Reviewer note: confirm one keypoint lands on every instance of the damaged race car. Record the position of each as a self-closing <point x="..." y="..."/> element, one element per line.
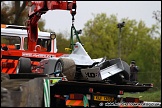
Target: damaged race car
<point x="79" y="66"/>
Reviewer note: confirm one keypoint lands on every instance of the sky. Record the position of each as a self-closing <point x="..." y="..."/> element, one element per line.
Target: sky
<point x="61" y="20"/>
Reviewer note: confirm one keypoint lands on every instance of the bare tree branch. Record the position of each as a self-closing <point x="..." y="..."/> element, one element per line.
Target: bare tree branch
<point x="157" y="15"/>
<point x="18" y="10"/>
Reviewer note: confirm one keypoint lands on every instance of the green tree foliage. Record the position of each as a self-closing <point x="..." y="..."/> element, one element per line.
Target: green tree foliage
<point x="41" y="24"/>
<point x="62" y="43"/>
<point x="100" y="36"/>
<point x="138" y="42"/>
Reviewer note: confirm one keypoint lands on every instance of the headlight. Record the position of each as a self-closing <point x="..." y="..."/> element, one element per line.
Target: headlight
<point x="53" y="35"/>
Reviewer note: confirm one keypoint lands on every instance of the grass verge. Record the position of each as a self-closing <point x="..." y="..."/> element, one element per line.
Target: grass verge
<point x="154" y="96"/>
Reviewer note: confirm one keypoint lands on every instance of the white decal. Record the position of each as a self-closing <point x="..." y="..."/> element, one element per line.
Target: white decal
<point x="37" y="55"/>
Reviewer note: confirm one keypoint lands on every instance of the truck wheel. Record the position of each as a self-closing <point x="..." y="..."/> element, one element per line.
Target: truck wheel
<point x="67" y="68"/>
<point x="24" y="65"/>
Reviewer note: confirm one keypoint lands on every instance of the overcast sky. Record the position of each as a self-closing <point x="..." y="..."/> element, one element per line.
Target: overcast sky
<point x="61" y="20"/>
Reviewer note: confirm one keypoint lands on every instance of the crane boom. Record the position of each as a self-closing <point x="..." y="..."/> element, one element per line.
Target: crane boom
<point x="36" y="9"/>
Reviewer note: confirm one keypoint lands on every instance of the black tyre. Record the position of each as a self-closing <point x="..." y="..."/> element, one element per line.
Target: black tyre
<point x="67" y="68"/>
<point x="24" y="65"/>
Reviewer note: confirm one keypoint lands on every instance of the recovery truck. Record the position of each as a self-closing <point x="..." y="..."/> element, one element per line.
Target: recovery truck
<point x="14" y="46"/>
<point x="26" y="44"/>
<point x="69" y="80"/>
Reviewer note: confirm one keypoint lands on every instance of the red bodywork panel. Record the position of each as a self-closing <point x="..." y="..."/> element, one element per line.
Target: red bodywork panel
<point x="9" y="60"/>
<point x="30" y="54"/>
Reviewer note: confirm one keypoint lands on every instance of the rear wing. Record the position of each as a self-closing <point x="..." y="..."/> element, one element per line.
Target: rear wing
<point x="105" y="70"/>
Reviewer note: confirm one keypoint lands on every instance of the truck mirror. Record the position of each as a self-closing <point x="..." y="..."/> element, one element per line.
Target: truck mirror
<point x="52" y="35"/>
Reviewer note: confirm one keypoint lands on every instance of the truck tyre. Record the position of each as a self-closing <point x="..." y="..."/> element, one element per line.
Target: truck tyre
<point x="24" y="65"/>
<point x="122" y="77"/>
<point x="67" y="68"/>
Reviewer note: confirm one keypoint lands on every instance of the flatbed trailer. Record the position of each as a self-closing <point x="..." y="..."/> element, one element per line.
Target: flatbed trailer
<point x="98" y="87"/>
<point x="39" y="90"/>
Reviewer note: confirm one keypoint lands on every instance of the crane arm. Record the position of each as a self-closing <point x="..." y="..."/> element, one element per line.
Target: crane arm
<point x="36" y="9"/>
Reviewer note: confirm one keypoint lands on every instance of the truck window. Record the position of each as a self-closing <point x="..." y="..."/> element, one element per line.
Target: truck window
<point x="25" y="43"/>
<point x="12" y="42"/>
<point x="44" y="43"/>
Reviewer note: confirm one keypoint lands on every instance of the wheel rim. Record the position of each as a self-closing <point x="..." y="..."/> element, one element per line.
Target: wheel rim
<point x="58" y="68"/>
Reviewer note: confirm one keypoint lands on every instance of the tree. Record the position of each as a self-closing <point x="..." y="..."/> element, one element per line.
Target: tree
<point x="157" y="15"/>
<point x="100" y="36"/>
<point x="62" y="43"/>
<point x="16" y="12"/>
<point x="138" y="42"/>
